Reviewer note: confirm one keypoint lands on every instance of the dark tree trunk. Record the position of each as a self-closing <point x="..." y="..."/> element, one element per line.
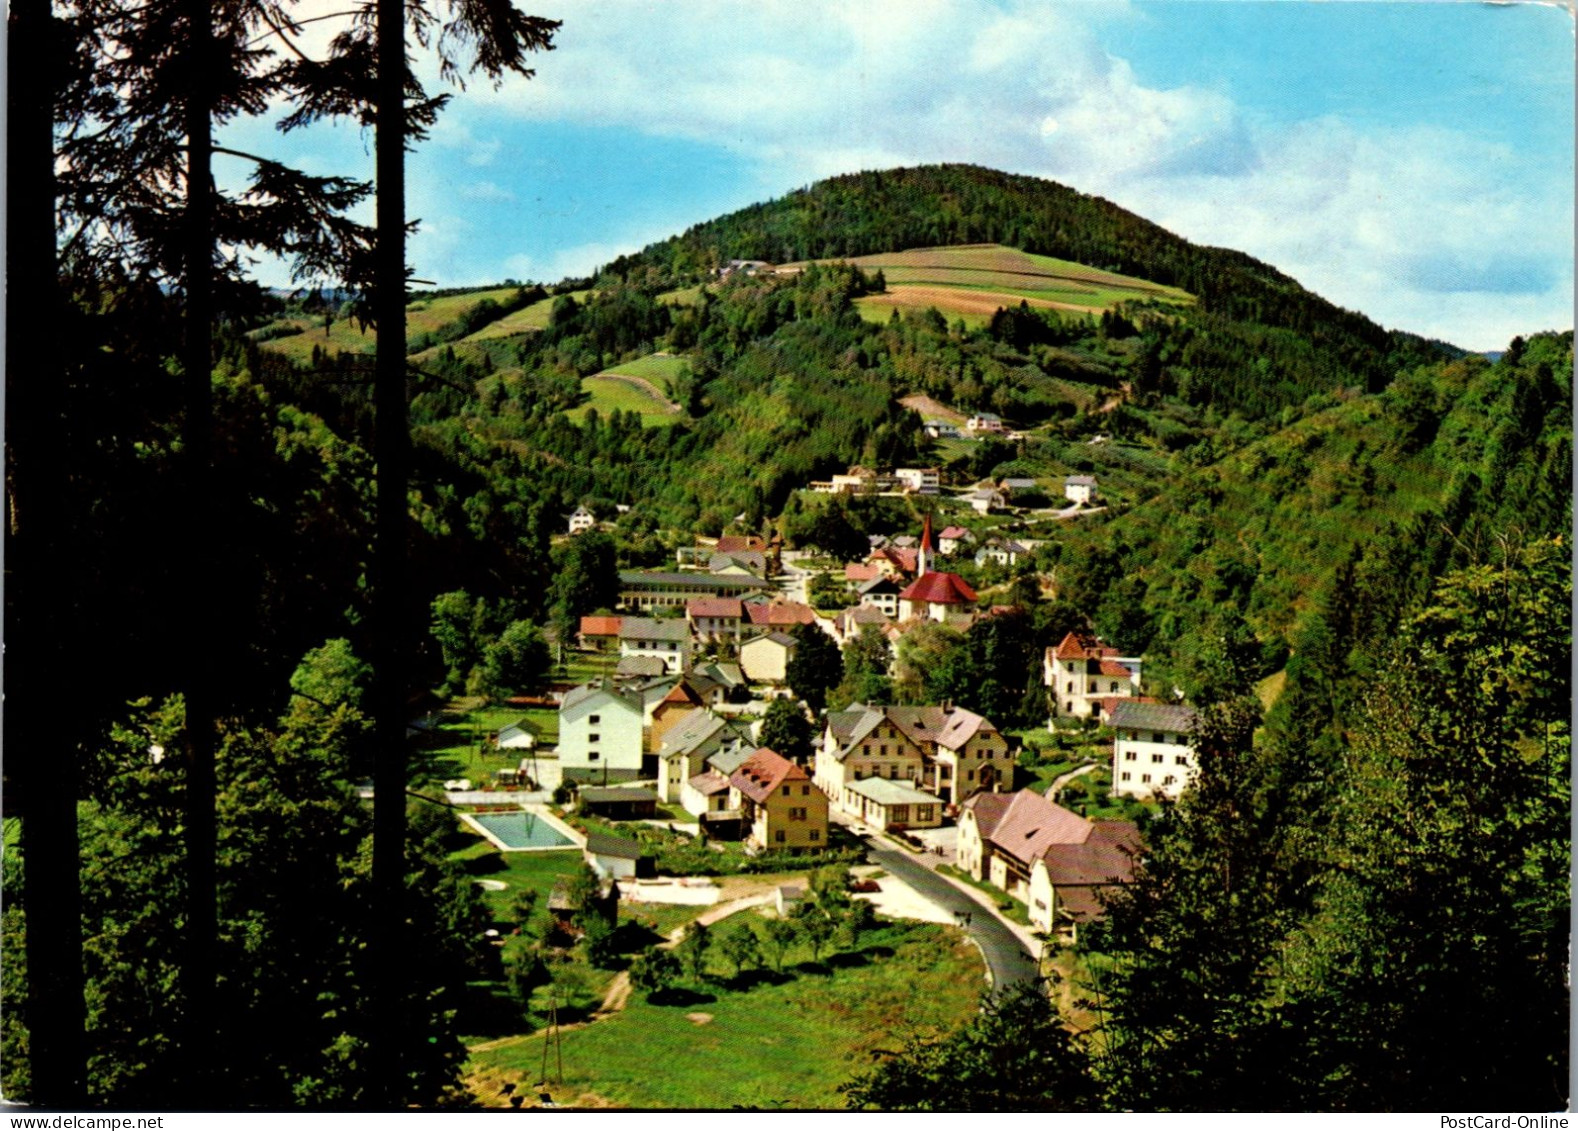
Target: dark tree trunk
<point x="389" y="562"/>
<point x="203" y="573"/>
<point x="42" y="769"/>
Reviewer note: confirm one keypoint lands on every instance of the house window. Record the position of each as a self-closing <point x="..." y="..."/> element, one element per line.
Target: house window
<point x="1169" y="780"/>
<point x="797" y="814"/>
<point x="1124" y="776"/>
<point x="969" y="775"/>
<point x="1181" y="760"/>
<point x="1092" y="687"/>
<point x="1069" y="666"/>
<point x="1158" y="738"/>
<point x="816" y="834"/>
<point x="1069" y="707"/>
<point x="780" y="836"/>
<point x="1129" y="756"/>
<point x="592" y="755"/>
<point x="901" y="814"/>
<point x="1069" y="687"/>
<point x="1114" y="687"/>
<point x="1145" y="777"/>
<point x="883" y="750"/>
<point x="805" y="791"/>
<point x="594" y="719"/>
<point x="1156" y="758"/>
<point x="593" y="737"/>
<point x="923" y="812"/>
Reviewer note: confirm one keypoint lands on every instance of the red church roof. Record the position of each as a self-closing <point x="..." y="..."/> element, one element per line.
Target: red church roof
<point x="939" y="589"/>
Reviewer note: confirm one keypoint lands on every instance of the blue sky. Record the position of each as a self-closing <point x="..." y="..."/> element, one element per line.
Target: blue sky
<point x="1410" y="160"/>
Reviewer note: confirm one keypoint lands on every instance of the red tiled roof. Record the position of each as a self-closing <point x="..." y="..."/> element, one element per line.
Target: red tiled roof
<point x="600" y="626"/>
<point x="1083" y="646"/>
<point x="1105" y="857"/>
<point x="860" y="571"/>
<point x="781" y="613"/>
<point x="953" y="532"/>
<point x="1033" y="824"/>
<point x="683" y="693"/>
<point x="713" y="607"/>
<point x="1112" y="667"/>
<point x="939" y="589"/>
<point x="736" y="543"/>
<point x="763" y="772"/>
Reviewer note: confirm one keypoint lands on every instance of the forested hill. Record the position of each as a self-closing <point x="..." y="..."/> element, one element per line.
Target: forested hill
<point x="936" y="205"/>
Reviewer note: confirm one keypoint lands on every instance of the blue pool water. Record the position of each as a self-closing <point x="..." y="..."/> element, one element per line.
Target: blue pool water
<point x="522" y="830"/>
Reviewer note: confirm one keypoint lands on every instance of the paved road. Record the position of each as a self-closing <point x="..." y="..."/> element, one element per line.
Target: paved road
<point x="1005" y="955"/>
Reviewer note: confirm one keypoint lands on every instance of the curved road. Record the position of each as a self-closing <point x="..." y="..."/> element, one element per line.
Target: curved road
<point x="1005" y="955"/>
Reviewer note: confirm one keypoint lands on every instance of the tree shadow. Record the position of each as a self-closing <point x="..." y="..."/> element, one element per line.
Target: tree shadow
<point x="848" y="959"/>
<point x="483" y="865"/>
<point x="680" y="995"/>
<point x="632" y="937"/>
<point x="489" y="1011"/>
<point x="747" y="980"/>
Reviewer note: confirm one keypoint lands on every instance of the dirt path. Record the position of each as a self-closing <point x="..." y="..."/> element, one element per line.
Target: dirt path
<point x="618" y="994"/>
<point x="931" y="409"/>
<point x="1063" y="779"/>
<point x="645" y="385"/>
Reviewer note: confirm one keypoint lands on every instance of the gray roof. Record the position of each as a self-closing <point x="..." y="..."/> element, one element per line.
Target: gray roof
<point x="1080" y="481"/>
<point x="727" y="761"/>
<point x="599" y="793"/>
<point x="651" y="628"/>
<point x="640" y="666"/>
<point x="885" y="791"/>
<point x="1134" y="715"/>
<point x="586" y="691"/>
<point x="713" y="581"/>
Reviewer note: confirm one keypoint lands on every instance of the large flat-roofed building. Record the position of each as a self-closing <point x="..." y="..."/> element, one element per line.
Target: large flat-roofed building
<point x="656" y="589"/>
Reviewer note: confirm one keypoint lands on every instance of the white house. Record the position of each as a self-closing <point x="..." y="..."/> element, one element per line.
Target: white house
<point x="520" y="735"/>
<point x="582" y="519"/>
<point x="919" y="480"/>
<point x="1080" y="489"/>
<point x="1081" y="672"/>
<point x="940" y="429"/>
<point x="882" y="594"/>
<point x="985" y="422"/>
<point x="932" y="596"/>
<point x="952" y="539"/>
<point x="1151" y="751"/>
<point x="666" y="640"/>
<point x="713" y="619"/>
<point x="1001" y="551"/>
<point x="600" y="734"/>
<point x="766" y="659"/>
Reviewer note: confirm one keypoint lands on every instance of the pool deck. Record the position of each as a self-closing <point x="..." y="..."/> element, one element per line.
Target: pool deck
<point x="541" y="813"/>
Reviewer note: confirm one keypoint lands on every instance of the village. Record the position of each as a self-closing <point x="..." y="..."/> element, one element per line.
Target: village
<point x="686" y="753"/>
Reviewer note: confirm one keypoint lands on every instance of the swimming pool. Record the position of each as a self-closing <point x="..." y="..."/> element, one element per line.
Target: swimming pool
<point x="519" y="831"/>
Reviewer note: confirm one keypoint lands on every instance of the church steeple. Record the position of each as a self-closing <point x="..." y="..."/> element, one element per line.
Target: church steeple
<point x="922" y="558"/>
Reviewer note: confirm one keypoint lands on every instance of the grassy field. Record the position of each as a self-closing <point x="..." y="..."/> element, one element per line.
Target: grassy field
<point x="660" y="369"/>
<point x="524" y="320"/>
<point x="971" y="282"/>
<point x="686" y="296"/>
<point x="347" y="336"/>
<point x="608" y="392"/>
<point x="759" y="1041"/>
<point x="460" y="747"/>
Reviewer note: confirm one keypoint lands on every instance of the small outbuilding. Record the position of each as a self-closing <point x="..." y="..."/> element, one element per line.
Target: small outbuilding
<point x="616" y="804"/>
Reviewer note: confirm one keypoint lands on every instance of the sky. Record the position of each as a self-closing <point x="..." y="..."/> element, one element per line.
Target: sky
<point x="1413" y="161"/>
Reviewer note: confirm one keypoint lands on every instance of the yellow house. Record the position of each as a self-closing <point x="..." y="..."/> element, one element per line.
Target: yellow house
<point x="783" y="809"/>
<point x="947" y="751"/>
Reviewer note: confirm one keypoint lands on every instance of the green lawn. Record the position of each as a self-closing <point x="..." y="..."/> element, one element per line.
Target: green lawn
<point x="608" y="393"/>
<point x="760" y="1044"/>
<point x="1007" y="904"/>
<point x="528" y="318"/>
<point x="660" y="370"/>
<point x="460" y="748"/>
